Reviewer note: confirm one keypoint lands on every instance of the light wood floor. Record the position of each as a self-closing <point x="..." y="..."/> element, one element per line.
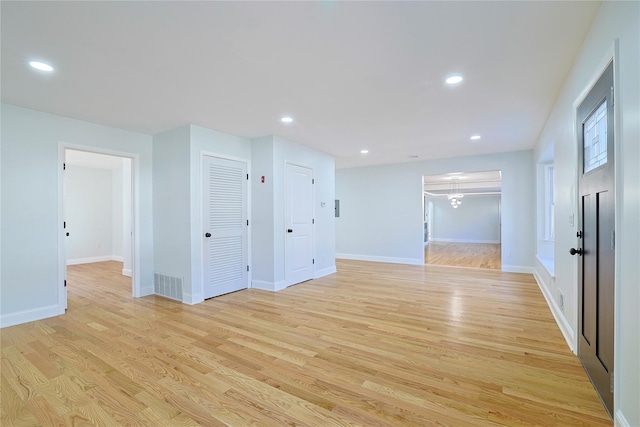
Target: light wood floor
<point x="454" y="254"/>
<point x="373" y="345"/>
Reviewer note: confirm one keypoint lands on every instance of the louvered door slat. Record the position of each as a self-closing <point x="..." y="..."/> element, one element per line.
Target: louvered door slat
<point x="225" y="214"/>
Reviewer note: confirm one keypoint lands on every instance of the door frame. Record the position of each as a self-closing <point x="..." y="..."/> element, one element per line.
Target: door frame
<point x="135" y="217"/>
<point x="612" y="55"/>
<point x="313" y="214"/>
<point x="197" y="227"/>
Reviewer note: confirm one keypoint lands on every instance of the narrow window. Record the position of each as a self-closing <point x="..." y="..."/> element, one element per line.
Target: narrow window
<point x="549" y="203"/>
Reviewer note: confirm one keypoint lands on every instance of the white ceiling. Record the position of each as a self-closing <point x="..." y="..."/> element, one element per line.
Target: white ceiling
<point x="353" y="75"/>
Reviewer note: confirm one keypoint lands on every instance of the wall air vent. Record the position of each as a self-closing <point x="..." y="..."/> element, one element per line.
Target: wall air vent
<point x="167" y="286"/>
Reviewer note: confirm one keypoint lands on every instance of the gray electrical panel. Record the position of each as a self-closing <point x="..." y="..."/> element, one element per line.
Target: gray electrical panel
<point x="337" y="208"/>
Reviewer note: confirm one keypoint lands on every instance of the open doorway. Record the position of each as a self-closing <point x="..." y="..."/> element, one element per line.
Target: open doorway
<point x="97" y="206"/>
<point x="462" y="219"/>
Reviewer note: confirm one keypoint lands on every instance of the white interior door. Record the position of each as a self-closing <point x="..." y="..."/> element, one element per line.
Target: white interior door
<point x="225" y="226"/>
<point x="299" y="224"/>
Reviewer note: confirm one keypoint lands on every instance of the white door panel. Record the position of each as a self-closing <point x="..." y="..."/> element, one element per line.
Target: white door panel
<point x="225" y="226"/>
<point x="299" y="223"/>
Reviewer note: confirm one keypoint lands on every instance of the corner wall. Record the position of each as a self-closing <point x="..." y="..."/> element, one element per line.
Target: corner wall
<point x="270" y="155"/>
<point x="171" y="211"/>
<point x="616" y="22"/>
<point x="31" y="225"/>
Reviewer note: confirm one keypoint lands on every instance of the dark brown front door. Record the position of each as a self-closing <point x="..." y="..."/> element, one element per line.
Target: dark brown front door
<point x="596" y="236"/>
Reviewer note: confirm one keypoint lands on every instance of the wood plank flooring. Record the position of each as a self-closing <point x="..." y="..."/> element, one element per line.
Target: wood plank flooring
<point x="373" y="345"/>
<point x="456" y="254"/>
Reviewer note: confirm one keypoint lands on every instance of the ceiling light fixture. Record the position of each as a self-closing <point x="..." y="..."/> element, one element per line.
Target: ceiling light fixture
<point x="454" y="79"/>
<point x="41" y="66"/>
<point x="286" y="119"/>
<point x="455" y="195"/>
<point x="364" y="151"/>
<point x="475" y="137"/>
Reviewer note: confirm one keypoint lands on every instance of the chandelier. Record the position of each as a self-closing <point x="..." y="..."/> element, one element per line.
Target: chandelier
<point x="455" y="196"/>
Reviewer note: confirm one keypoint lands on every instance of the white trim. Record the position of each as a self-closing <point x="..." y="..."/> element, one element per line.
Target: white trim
<point x="136" y="289"/>
<point x="325" y="272"/>
<point x="26" y="316"/>
<point x="517" y="269"/>
<point x="269" y="286"/>
<point x="561" y="320"/>
<point x="148" y="290"/>
<point x="191" y="299"/>
<point x="127" y="272"/>
<point x="372" y="258"/>
<point x="620" y="420"/>
<point x="437" y="239"/>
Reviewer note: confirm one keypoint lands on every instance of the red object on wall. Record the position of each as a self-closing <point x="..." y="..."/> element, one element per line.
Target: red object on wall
<point x="262" y="179"/>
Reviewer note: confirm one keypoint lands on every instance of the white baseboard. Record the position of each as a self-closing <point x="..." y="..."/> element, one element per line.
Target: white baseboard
<point x="620" y="420"/>
<point x="558" y="315"/>
<point x="127" y="272"/>
<point x="26" y="316"/>
<point x="192" y="299"/>
<point x="372" y="258"/>
<point x="268" y="286"/>
<point x="325" y="272"/>
<point x="147" y="291"/>
<point x="517" y="269"/>
<point x="437" y="239"/>
<point x="89" y="260"/>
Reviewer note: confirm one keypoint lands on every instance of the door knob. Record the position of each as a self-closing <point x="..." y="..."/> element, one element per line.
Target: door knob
<point x="573" y="251"/>
<point x="207" y="234"/>
<point x="289" y="230"/>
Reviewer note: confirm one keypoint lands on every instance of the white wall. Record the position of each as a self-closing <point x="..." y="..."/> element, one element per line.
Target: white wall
<point x="94" y="213"/>
<point x="381" y="208"/>
<point x="262" y="212"/>
<point x="615" y="21"/>
<point x="89" y="214"/>
<point x="477" y="220"/>
<point x="171" y="205"/>
<point x="270" y="156"/>
<point x="32" y="265"/>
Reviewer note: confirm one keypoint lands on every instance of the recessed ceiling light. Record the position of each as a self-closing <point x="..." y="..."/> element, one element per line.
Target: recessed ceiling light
<point x="413" y="156"/>
<point x="475" y="137"/>
<point x="364" y="151"/>
<point x="286" y="119"/>
<point x="41" y="66"/>
<point x="454" y="79"/>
